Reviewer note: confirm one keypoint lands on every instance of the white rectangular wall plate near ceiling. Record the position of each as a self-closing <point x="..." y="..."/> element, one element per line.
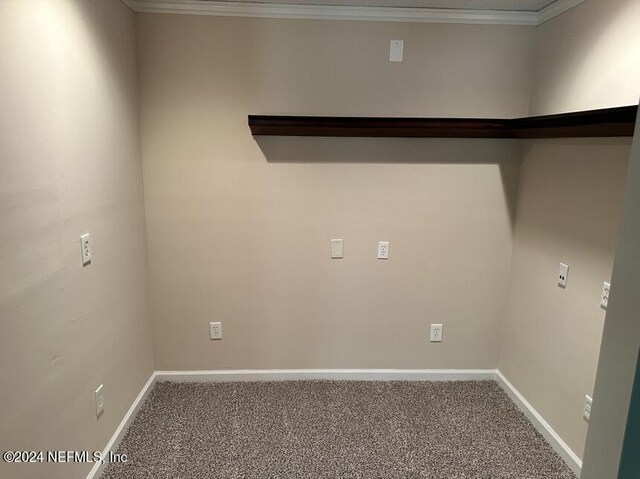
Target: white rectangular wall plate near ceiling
<point x="563" y="273"/>
<point x="99" y="397"/>
<point x="383" y="250"/>
<point x="604" y="297"/>
<point x="396" y="50"/>
<point x="337" y="248"/>
<point x="215" y="330"/>
<point x="436" y="333"/>
<point x="85" y="249"/>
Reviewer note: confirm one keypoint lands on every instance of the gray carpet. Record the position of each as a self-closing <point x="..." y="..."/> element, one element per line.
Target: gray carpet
<point x="334" y="429"/>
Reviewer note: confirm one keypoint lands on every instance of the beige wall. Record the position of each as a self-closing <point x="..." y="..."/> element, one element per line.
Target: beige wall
<point x="569" y="204"/>
<point x="70" y="164"/>
<point x="588" y="58"/>
<point x="239" y="229"/>
<point x="620" y="341"/>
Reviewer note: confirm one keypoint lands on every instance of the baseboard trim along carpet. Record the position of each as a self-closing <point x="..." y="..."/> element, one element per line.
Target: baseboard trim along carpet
<point x="327" y="374"/>
<point x="563" y="450"/>
<point x="543" y="427"/>
<point x="121" y="430"/>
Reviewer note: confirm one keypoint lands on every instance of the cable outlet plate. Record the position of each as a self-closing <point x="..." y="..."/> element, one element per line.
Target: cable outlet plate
<point x="396" y="48"/>
<point x="563" y="274"/>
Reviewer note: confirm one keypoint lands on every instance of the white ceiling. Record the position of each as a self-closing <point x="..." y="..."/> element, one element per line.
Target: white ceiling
<point x="510" y="5"/>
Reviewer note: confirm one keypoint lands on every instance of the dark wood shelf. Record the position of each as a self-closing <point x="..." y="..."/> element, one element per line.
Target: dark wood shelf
<point x="618" y="121"/>
<point x="608" y="122"/>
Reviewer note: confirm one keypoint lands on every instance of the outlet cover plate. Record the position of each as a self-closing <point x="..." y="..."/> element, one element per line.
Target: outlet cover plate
<point x="586" y="411"/>
<point x="604" y="297"/>
<point x="99" y="397"/>
<point x="436" y="333"/>
<point x="383" y="250"/>
<point x="85" y="248"/>
<point x="215" y="330"/>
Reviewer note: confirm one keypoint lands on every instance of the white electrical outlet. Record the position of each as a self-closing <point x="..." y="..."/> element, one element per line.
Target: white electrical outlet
<point x="85" y="248"/>
<point x="563" y="273"/>
<point x="383" y="250"/>
<point x="99" y="397"/>
<point x="604" y="297"/>
<point x="337" y="248"/>
<point x="586" y="410"/>
<point x="436" y="333"/>
<point x="215" y="330"/>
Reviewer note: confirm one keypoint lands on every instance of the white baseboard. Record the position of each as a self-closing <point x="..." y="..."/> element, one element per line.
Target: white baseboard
<point x="121" y="430"/>
<point x="543" y="427"/>
<point x="327" y="374"/>
<point x="556" y="442"/>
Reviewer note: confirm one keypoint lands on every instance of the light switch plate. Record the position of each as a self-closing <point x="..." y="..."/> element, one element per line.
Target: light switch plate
<point x="337" y="248"/>
<point x="396" y="51"/>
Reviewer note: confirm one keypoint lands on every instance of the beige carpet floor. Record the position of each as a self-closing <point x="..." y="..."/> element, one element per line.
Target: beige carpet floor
<point x="334" y="429"/>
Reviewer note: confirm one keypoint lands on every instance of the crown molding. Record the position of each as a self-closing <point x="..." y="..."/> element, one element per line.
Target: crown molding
<point x="336" y="12"/>
<point x="556" y="8"/>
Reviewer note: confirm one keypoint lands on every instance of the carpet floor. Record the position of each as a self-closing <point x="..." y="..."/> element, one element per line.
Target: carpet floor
<point x="334" y="429"/>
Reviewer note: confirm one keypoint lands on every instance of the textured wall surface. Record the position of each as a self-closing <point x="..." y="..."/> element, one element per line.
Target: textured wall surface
<point x="239" y="228"/>
<point x="620" y="340"/>
<point x="569" y="204"/>
<point x="569" y="207"/>
<point x="70" y="164"/>
<point x="587" y="58"/>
